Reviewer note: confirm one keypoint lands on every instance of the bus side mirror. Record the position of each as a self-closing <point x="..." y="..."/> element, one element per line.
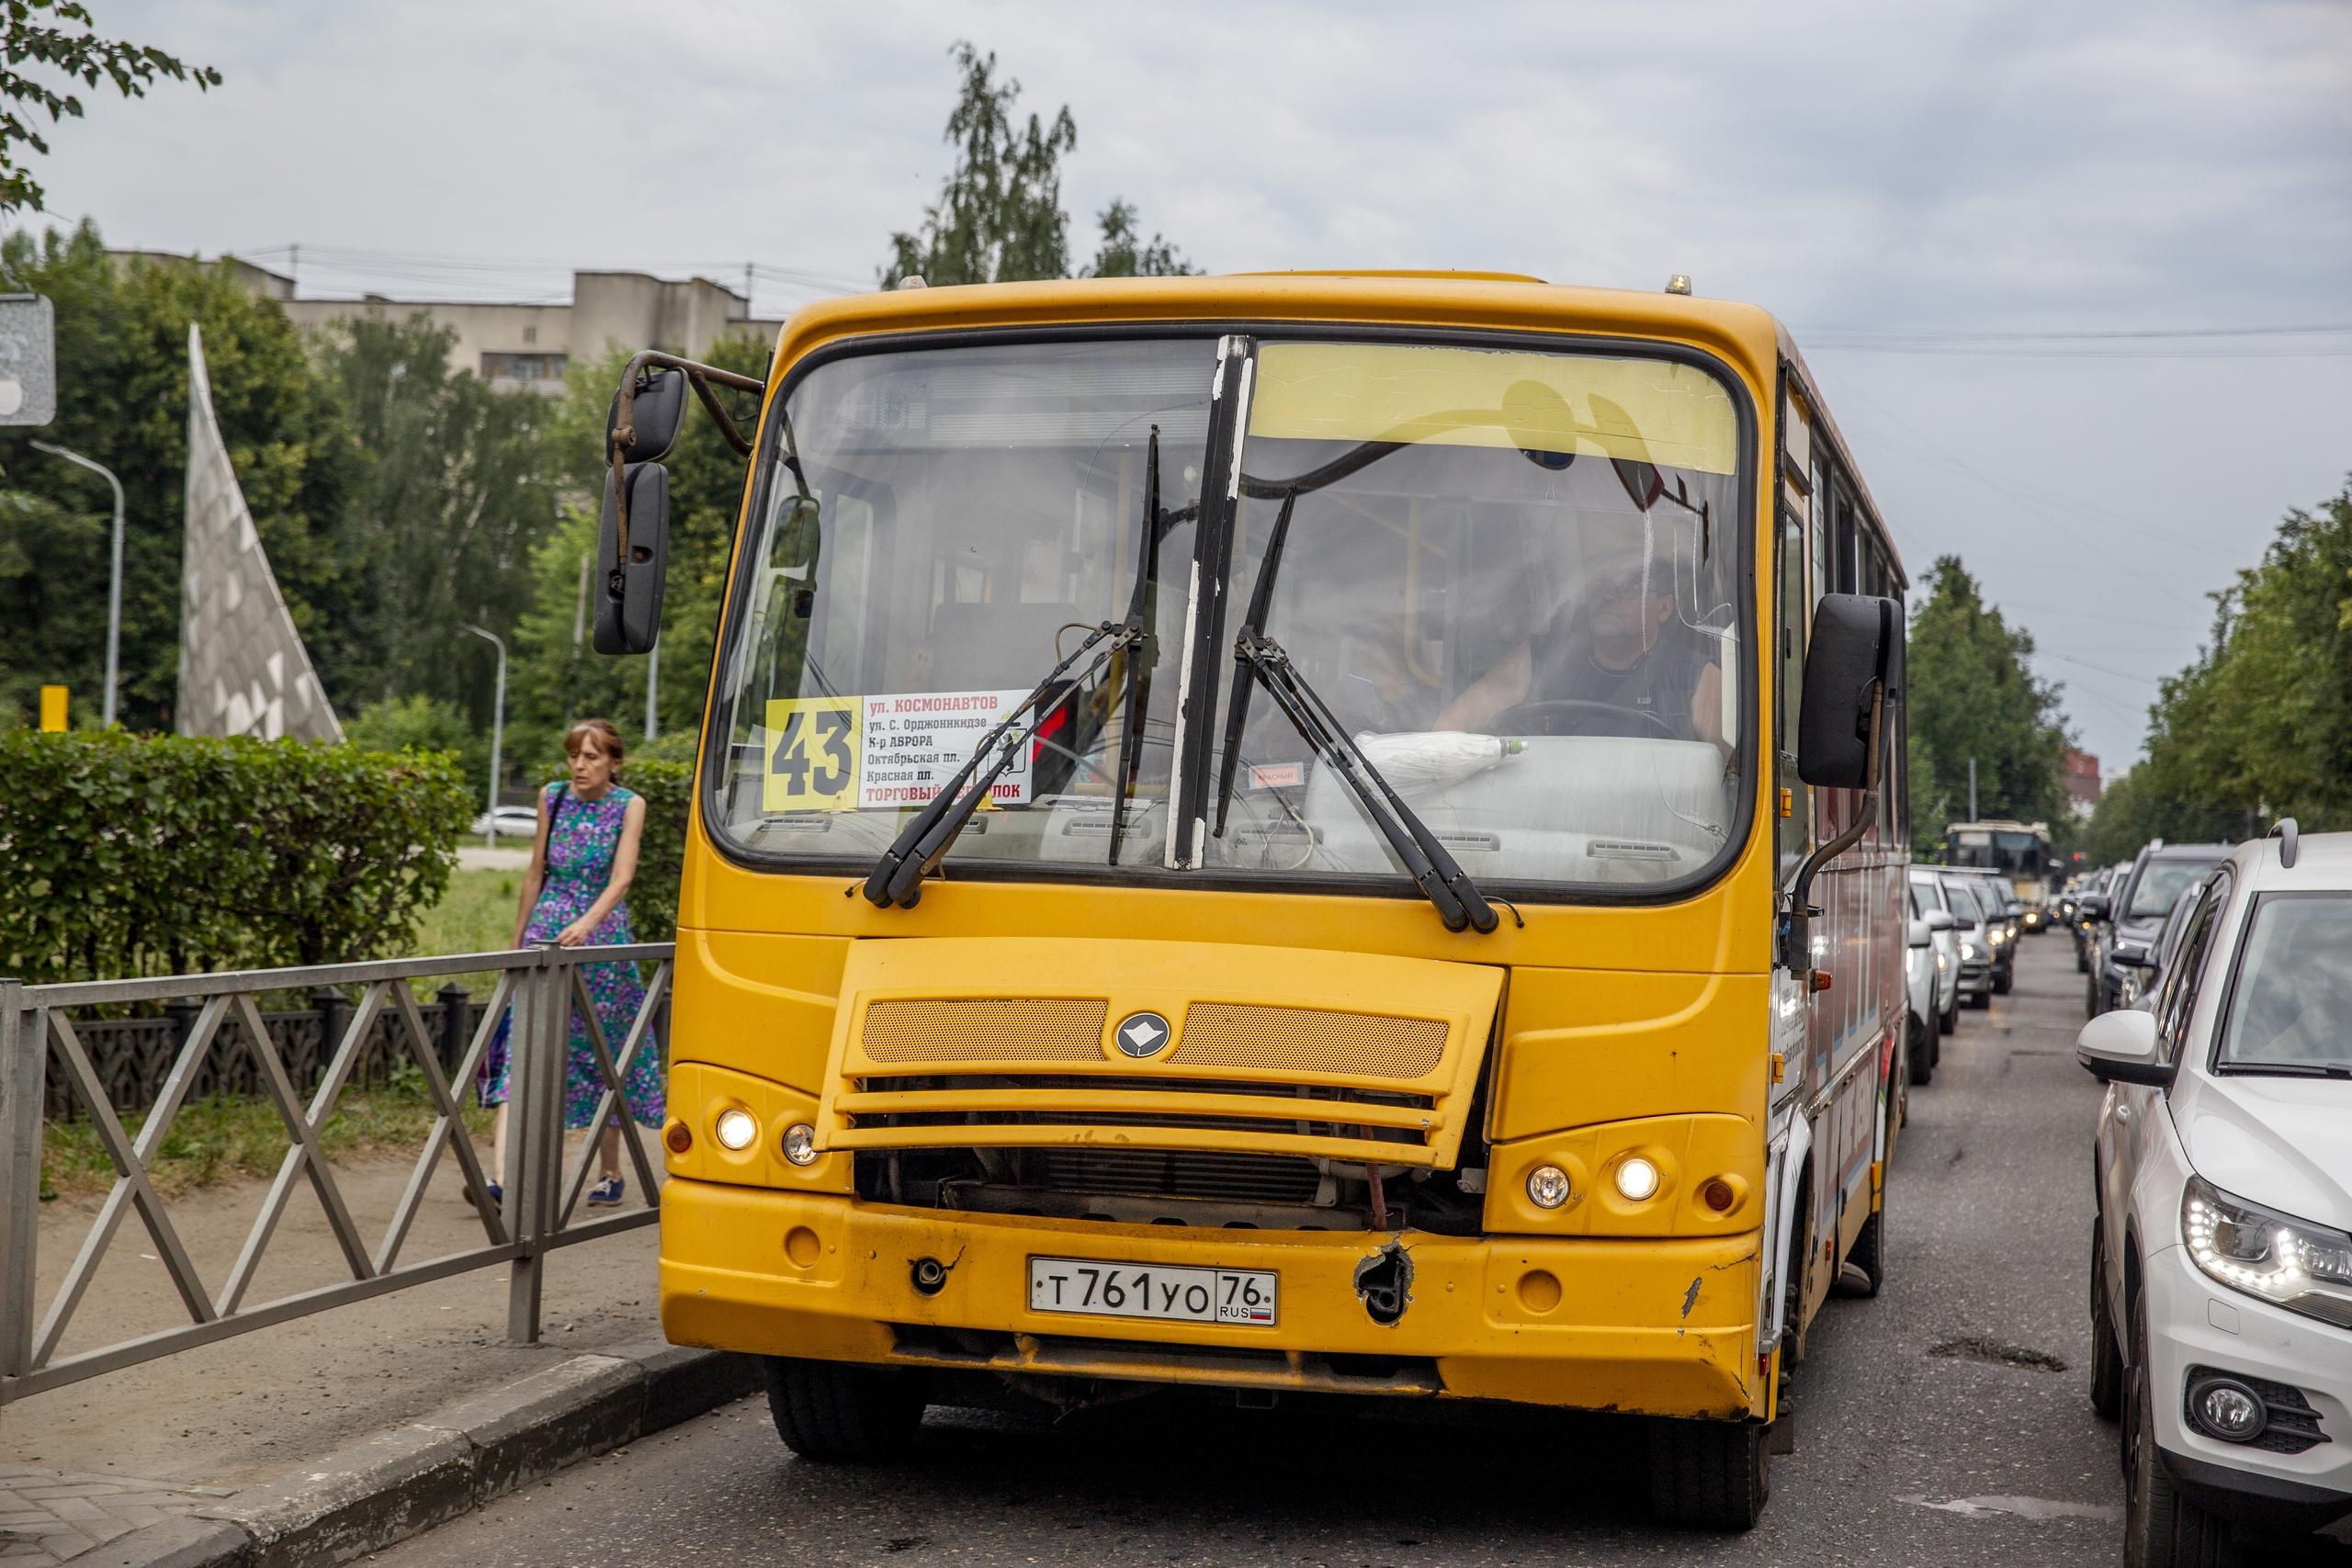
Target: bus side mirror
<point x="1857" y="646"/>
<point x="657" y="410"/>
<point x="628" y="603"/>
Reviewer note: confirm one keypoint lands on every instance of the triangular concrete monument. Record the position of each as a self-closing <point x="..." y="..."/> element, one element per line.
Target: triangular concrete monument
<point x="242" y="668"/>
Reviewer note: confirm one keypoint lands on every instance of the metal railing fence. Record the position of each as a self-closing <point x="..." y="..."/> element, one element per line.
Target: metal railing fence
<point x="546" y="991"/>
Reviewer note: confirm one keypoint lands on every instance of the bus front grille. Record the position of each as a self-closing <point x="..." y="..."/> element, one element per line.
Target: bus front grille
<point x="1218" y="1177"/>
<point x="1122" y="1113"/>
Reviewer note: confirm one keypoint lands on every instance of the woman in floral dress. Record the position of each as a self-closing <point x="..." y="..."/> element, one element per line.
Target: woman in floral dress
<point x="572" y="896"/>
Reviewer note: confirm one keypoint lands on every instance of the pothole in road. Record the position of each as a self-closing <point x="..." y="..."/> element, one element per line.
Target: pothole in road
<point x="1981" y="1347"/>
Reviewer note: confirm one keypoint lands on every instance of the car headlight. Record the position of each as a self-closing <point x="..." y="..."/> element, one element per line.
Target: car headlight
<point x="1969" y="950"/>
<point x="1910" y="961"/>
<point x="1996" y="936"/>
<point x="2301" y="1266"/>
<point x="1942" y="963"/>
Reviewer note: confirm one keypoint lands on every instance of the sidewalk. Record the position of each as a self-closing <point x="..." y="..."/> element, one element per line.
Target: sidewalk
<point x="177" y="1433"/>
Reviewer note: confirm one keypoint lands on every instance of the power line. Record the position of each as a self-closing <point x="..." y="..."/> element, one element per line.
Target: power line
<point x="2265" y="341"/>
<point x="1963" y="335"/>
<point x="2119" y="674"/>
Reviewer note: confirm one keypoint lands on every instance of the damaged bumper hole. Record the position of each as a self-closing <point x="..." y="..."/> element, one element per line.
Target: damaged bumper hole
<point x="1384" y="1283"/>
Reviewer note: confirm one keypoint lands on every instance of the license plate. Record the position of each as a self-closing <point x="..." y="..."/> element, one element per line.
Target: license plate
<point x="1244" y="1296"/>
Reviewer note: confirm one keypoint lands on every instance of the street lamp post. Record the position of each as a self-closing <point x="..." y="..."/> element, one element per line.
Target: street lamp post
<point x="114" y="579"/>
<point x="497" y="726"/>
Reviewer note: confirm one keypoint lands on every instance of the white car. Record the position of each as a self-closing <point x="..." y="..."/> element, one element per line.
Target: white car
<point x="1927" y="901"/>
<point x="511" y="821"/>
<point x="2222" y="1257"/>
<point x="1932" y="986"/>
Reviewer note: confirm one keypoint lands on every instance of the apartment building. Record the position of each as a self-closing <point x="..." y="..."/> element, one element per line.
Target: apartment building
<point x="528" y="347"/>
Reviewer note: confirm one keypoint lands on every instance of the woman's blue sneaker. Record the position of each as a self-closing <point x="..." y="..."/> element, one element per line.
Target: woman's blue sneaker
<point x="496" y="1193"/>
<point x="606" y="1193"/>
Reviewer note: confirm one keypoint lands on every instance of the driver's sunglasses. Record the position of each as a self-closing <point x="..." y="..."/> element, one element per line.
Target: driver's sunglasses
<point x="1627" y="585"/>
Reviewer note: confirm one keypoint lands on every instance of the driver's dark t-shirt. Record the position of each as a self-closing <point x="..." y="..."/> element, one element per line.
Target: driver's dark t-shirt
<point x="1660" y="684"/>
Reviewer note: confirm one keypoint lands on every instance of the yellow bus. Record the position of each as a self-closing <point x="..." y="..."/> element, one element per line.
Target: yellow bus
<point x="1313" y="834"/>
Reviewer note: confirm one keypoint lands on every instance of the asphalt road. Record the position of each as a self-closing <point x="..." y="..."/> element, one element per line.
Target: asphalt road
<point x="1944" y="1423"/>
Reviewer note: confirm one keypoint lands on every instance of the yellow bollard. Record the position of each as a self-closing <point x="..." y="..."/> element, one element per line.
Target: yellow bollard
<point x="53" y="707"/>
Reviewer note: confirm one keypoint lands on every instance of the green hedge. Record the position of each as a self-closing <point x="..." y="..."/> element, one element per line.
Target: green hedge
<point x="128" y="855"/>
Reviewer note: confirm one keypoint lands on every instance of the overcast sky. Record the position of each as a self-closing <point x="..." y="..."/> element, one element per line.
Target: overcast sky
<point x="1896" y="182"/>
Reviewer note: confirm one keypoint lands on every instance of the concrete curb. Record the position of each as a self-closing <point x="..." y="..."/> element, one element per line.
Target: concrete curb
<point x="406" y="1480"/>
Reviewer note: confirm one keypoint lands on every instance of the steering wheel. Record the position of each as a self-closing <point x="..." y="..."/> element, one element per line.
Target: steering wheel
<point x="1520" y="714"/>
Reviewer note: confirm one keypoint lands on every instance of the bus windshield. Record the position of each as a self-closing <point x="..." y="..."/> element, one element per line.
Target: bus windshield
<point x="1510" y="575"/>
<point x="2017" y="854"/>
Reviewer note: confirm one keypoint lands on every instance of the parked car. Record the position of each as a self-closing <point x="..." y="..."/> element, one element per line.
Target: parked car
<point x="1929" y="899"/>
<point x="511" y="821"/>
<point x="2087" y="904"/>
<point x="2221" y="1298"/>
<point x="2166" y="954"/>
<point x="1975" y="932"/>
<point x="1924" y="972"/>
<point x="2132" y="918"/>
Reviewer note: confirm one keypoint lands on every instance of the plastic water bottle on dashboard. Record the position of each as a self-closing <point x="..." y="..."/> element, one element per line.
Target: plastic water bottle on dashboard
<point x="1422" y="760"/>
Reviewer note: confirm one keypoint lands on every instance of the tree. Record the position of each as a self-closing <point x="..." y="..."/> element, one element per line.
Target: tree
<point x="455" y="486"/>
<point x="1973" y="697"/>
<point x="2259" y="726"/>
<point x="1125" y="254"/>
<point x="122" y="399"/>
<point x="999" y="218"/>
<point x="420" y="722"/>
<point x="31" y="38"/>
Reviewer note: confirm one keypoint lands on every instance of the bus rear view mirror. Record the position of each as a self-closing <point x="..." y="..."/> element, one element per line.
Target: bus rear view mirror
<point x="657" y="410"/>
<point x="629" y="574"/>
<point x="1855" y="653"/>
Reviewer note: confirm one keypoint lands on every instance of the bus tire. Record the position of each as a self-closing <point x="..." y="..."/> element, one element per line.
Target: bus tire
<point x="833" y="1413"/>
<point x="1709" y="1474"/>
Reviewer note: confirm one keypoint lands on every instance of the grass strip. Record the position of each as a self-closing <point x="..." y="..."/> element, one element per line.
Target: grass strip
<point x="226" y="1138"/>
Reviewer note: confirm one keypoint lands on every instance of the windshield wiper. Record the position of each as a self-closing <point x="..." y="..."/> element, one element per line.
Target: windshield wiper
<point x="897" y="877"/>
<point x="2286" y="1069"/>
<point x="1261" y="595"/>
<point x="1434" y="870"/>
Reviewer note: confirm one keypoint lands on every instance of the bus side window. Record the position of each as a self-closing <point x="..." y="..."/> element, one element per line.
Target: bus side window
<point x="1797" y="819"/>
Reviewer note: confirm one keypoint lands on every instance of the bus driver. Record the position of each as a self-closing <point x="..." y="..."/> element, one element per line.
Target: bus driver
<point x="1629" y="651"/>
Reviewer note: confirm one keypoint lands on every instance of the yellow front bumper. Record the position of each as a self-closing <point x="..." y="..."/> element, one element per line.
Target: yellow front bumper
<point x="1661" y="1328"/>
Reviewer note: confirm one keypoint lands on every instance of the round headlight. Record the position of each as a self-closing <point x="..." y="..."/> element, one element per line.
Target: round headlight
<point x="800" y="1143"/>
<point x="1637" y="1179"/>
<point x="736" y="1129"/>
<point x="2229" y="1410"/>
<point x="1548" y="1187"/>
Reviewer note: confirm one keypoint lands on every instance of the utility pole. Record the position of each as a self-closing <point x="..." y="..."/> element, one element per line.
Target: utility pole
<point x="652" y="687"/>
<point x="497" y="726"/>
<point x="114" y="578"/>
<point x="579" y="611"/>
<point x="1972" y="789"/>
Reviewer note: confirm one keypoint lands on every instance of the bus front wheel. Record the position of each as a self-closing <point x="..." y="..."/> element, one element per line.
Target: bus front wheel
<point x="1709" y="1474"/>
<point x="832" y="1413"/>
